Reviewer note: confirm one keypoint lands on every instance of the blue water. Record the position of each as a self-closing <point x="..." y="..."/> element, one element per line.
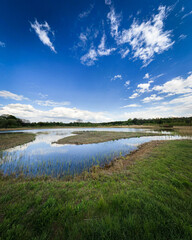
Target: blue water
<point x="43" y="157"/>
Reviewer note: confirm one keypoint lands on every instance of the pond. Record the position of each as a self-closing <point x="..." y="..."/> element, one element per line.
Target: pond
<point x="42" y="157"/>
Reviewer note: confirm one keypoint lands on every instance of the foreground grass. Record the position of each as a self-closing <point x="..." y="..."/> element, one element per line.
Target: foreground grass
<point x="9" y="140"/>
<point x="87" y="137"/>
<point x="148" y="199"/>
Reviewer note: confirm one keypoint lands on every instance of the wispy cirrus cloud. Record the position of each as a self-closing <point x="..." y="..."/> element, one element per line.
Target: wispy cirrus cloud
<point x="86" y="13"/>
<point x="115" y="20"/>
<point x="131" y="106"/>
<point x="13" y="96"/>
<point x="108" y="2"/>
<point x="187" y="14"/>
<point x="124" y="52"/>
<point x="141" y="40"/>
<point x="127" y="83"/>
<point x="118" y="76"/>
<point x="42" y="95"/>
<point x="147" y="38"/>
<point x="43" y="31"/>
<point x="90" y="57"/>
<point x="51" y="103"/>
<point x="2" y="44"/>
<point x="93" y="54"/>
<point x="182" y="37"/>
<point x="102" y="50"/>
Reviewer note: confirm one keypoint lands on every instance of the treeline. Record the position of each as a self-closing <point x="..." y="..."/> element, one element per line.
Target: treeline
<point x="9" y="121"/>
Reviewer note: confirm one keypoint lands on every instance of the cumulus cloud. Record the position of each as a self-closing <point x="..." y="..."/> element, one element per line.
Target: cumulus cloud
<point x="87" y="12"/>
<point x="90" y="57"/>
<point x="62" y="114"/>
<point x="102" y="50"/>
<point x="118" y="76"/>
<point x="177" y="85"/>
<point x="10" y="95"/>
<point x="143" y="87"/>
<point x="2" y="44"/>
<point x="134" y="95"/>
<point x="43" y="30"/>
<point x="147" y="38"/>
<point x="153" y="97"/>
<point x="146" y="76"/>
<point x="51" y="103"/>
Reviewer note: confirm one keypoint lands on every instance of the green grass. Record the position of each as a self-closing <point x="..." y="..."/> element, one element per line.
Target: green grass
<point x="9" y="140"/>
<point x="152" y="199"/>
<point x="87" y="137"/>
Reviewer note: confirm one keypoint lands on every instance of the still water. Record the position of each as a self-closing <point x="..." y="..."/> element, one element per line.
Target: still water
<point x="44" y="157"/>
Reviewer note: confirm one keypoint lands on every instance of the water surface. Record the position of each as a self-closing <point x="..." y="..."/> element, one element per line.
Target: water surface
<point x="43" y="157"/>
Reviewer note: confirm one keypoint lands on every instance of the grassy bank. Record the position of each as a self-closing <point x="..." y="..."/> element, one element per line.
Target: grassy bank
<point x="149" y="198"/>
<point x="87" y="137"/>
<point x="9" y="140"/>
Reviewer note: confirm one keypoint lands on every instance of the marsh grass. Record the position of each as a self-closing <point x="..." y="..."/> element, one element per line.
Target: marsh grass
<point x="18" y="165"/>
<point x="149" y="199"/>
<point x="10" y="140"/>
<point x="87" y="137"/>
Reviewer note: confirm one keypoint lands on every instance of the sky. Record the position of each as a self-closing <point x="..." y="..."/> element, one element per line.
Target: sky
<point x="98" y="61"/>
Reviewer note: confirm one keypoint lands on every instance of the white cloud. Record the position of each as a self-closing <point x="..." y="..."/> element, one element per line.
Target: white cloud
<point x="185" y="100"/>
<point x="177" y="85"/>
<point x="157" y="76"/>
<point x="187" y="14"/>
<point x="2" y="44"/>
<point x="147" y="38"/>
<point x="43" y="95"/>
<point x="143" y="87"/>
<point x="114" y="21"/>
<point x="10" y="95"/>
<point x="124" y="52"/>
<point x="182" y="37"/>
<point x="62" y="114"/>
<point x="146" y="76"/>
<point x="87" y="12"/>
<point x="83" y="38"/>
<point x="51" y="103"/>
<point x="90" y="57"/>
<point x="134" y="95"/>
<point x="118" y="76"/>
<point x="108" y="2"/>
<point x="127" y="83"/>
<point x="153" y="97"/>
<point x="43" y="30"/>
<point x="102" y="50"/>
<point x="131" y="106"/>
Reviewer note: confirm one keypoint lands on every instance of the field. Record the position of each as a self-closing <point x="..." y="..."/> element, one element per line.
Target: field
<point x="87" y="137"/>
<point x="146" y="196"/>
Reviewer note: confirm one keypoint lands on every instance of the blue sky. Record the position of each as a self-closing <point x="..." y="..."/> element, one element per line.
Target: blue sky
<point x="97" y="61"/>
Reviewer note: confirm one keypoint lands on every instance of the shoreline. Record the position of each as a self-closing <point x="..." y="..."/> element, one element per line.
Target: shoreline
<point x="60" y="127"/>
